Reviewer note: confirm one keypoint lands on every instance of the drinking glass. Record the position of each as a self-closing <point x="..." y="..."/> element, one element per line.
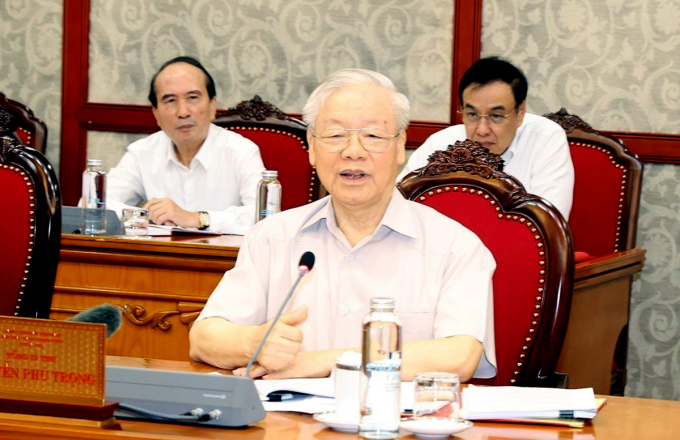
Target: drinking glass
<point x="136" y="222"/>
<point x="437" y="396"/>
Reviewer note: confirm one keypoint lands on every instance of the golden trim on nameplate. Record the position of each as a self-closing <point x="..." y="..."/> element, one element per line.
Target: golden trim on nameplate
<point x="52" y="361"/>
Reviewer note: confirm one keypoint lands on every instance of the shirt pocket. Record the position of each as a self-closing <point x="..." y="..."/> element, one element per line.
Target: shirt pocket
<point x="416" y="326"/>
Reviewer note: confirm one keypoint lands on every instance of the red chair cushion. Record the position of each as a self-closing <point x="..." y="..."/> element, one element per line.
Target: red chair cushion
<point x="581" y="256"/>
<point x="517" y="279"/>
<point x="597" y="190"/>
<point x="15" y="223"/>
<point x="285" y="154"/>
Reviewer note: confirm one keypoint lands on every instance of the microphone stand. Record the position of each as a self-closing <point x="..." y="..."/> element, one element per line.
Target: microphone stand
<point x="304" y="270"/>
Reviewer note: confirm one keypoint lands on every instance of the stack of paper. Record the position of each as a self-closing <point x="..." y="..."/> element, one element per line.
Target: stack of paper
<point x="529" y="404"/>
<point x="311" y="396"/>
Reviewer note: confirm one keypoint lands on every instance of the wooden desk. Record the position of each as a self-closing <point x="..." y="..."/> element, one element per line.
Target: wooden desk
<point x="599" y="311"/>
<point x="622" y="418"/>
<point x="163" y="284"/>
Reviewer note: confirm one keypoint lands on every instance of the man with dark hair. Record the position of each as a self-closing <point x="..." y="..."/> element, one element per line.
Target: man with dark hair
<point x="191" y="173"/>
<point x="535" y="150"/>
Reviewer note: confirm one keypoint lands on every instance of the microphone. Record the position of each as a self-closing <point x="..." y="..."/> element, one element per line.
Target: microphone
<point x="102" y="314"/>
<point x="304" y="267"/>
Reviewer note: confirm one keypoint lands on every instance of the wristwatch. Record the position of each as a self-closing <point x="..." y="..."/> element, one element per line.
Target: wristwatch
<point x="204" y="220"/>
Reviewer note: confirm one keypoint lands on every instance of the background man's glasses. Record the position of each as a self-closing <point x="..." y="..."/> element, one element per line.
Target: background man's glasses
<point x="374" y="140"/>
<point x="472" y="117"/>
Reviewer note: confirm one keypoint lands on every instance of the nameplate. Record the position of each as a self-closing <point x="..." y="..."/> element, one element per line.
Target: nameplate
<point x="52" y="361"/>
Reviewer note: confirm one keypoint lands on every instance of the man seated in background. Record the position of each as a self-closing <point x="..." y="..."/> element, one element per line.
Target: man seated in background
<point x="369" y="242"/>
<point x="535" y="150"/>
<point x="191" y="173"/>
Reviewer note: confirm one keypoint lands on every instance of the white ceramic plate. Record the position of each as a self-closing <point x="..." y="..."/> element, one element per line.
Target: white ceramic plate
<point x="434" y="428"/>
<point x="329" y="419"/>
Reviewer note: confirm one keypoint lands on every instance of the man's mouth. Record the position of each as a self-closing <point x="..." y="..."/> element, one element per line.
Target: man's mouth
<point x="185" y="126"/>
<point x="353" y="175"/>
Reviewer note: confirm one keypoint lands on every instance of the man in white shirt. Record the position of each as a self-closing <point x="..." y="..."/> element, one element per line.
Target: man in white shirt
<point x="368" y="241"/>
<point x="191" y="173"/>
<point x="535" y="149"/>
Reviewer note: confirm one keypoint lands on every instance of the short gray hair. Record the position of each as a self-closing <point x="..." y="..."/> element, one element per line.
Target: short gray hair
<point x="347" y="77"/>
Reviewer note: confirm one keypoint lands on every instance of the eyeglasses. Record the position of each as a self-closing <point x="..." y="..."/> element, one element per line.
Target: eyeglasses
<point x="374" y="140"/>
<point x="472" y="117"/>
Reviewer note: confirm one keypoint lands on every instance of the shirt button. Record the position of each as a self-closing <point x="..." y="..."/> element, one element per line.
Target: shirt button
<point x="349" y="257"/>
<point x="344" y="310"/>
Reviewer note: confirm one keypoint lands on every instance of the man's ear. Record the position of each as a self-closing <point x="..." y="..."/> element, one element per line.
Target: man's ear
<point x="213" y="107"/>
<point x="521" y="111"/>
<point x="401" y="148"/>
<point x="154" y="110"/>
<point x="310" y="149"/>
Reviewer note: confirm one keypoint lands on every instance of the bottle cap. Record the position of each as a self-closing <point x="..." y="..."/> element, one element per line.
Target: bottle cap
<point x="382" y="304"/>
<point x="270" y="173"/>
<point x="95" y="162"/>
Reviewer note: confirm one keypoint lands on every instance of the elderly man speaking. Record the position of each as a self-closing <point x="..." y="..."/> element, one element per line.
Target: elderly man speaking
<point x="368" y="241"/>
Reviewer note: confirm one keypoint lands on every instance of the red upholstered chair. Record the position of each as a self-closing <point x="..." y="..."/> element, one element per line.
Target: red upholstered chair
<point x="606" y="190"/>
<point x="32" y="132"/>
<point x="283" y="145"/>
<point x="533" y="251"/>
<point x="30" y="226"/>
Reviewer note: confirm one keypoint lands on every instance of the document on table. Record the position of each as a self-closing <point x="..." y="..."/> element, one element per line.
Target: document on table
<point x="312" y="396"/>
<point x="497" y="403"/>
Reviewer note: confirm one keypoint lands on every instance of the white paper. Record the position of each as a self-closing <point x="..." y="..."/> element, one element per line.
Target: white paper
<point x="510" y="402"/>
<point x="322" y="393"/>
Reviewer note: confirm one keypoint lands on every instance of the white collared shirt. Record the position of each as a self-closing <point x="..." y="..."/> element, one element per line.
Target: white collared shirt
<point x="438" y="272"/>
<point x="221" y="179"/>
<point x="538" y="157"/>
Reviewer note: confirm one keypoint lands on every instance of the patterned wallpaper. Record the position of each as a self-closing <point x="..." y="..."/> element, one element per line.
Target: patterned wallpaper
<point x="277" y="49"/>
<point x="616" y="64"/>
<point x="30" y="61"/>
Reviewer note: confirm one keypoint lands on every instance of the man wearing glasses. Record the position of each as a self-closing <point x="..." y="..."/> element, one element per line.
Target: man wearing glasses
<point x="369" y="242"/>
<point x="535" y="150"/>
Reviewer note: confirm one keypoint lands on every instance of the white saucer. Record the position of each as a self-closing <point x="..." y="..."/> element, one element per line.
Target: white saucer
<point x="432" y="427"/>
<point x="329" y="419"/>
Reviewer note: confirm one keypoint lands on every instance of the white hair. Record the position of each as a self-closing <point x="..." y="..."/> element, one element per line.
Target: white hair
<point x="347" y="77"/>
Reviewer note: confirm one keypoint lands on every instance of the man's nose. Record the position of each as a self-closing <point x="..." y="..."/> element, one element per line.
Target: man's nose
<point x="354" y="149"/>
<point x="483" y="127"/>
<point x="183" y="109"/>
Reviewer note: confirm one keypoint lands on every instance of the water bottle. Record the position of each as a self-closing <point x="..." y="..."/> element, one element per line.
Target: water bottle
<point x="268" y="195"/>
<point x="93" y="219"/>
<point x="380" y="372"/>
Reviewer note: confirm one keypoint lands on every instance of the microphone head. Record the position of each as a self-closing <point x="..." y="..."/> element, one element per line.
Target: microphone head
<point x="307" y="261"/>
<point x="102" y="314"/>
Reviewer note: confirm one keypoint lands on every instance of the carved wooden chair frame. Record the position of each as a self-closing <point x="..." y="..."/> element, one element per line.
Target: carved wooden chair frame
<point x="34" y="129"/>
<point x="44" y="238"/>
<point x="469" y="167"/>
<point x="257" y="114"/>
<point x="582" y="135"/>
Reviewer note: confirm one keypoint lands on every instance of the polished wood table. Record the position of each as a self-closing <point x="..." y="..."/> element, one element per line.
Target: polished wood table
<point x="622" y="418"/>
<point x="599" y="311"/>
<point x="162" y="285"/>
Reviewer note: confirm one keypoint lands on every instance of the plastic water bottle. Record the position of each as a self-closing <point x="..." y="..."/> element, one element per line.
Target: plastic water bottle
<point x="93" y="220"/>
<point x="380" y="372"/>
<point x="268" y="195"/>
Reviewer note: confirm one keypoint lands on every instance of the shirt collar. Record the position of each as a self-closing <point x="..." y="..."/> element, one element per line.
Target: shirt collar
<point x="397" y="217"/>
<point x="203" y="155"/>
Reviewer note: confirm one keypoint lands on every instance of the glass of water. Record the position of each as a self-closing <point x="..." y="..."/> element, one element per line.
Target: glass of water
<point x="437" y="396"/>
<point x="136" y="222"/>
